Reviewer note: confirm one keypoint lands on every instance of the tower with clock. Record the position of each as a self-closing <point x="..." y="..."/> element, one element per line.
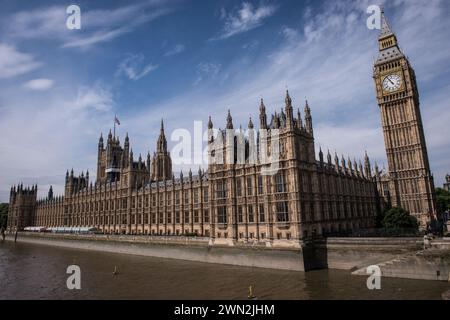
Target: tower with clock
<point x="411" y="184"/>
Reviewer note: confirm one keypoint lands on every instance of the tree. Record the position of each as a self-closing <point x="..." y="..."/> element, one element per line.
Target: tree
<point x="443" y="199"/>
<point x="3" y="214"/>
<point x="399" y="218"/>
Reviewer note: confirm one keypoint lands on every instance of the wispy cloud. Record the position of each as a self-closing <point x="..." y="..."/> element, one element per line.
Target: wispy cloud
<point x="96" y="98"/>
<point x="207" y="70"/>
<point x="246" y="18"/>
<point x="179" y="48"/>
<point x="134" y="67"/>
<point x="97" y="25"/>
<point x="52" y="136"/>
<point x="14" y="62"/>
<point x="39" y="84"/>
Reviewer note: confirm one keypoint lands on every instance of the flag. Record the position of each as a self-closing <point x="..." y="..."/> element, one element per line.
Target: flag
<point x="116" y="120"/>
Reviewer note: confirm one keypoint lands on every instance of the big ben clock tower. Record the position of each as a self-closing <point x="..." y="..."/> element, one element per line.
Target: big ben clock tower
<point x="411" y="184"/>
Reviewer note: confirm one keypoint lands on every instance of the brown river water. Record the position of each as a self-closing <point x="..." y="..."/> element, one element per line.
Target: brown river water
<point x="29" y="271"/>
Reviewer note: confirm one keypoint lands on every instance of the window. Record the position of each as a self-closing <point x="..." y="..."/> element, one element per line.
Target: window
<point x="221" y="189"/>
<point x="260" y="185"/>
<point x="282" y="212"/>
<point x="279" y="183"/>
<point x="169" y="217"/>
<point x="251" y="218"/>
<point x="177" y="197"/>
<point x="177" y="217"/>
<point x="153" y="218"/>
<point x="249" y="186"/>
<point x="161" y="218"/>
<point x="238" y="187"/>
<point x="262" y="217"/>
<point x="195" y="195"/>
<point x="206" y="215"/>
<point x="240" y="215"/>
<point x="186" y="196"/>
<point x="186" y="217"/>
<point x="222" y="214"/>
<point x="196" y="216"/>
<point x="205" y="195"/>
<point x="154" y="200"/>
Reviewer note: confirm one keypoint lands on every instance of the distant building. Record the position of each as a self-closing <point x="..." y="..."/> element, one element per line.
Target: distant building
<point x="447" y="183"/>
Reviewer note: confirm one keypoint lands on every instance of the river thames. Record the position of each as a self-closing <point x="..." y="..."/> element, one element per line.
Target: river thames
<point x="30" y="271"/>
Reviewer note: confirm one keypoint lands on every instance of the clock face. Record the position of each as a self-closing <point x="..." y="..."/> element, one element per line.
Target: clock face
<point x="392" y="83"/>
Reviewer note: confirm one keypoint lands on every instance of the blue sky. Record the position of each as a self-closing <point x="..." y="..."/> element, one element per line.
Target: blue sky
<point x="185" y="60"/>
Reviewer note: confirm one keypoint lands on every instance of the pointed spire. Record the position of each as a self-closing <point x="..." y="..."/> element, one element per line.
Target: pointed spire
<point x="262" y="107"/>
<point x="308" y="119"/>
<point x="288" y="100"/>
<point x="127" y="140"/>
<point x="162" y="142"/>
<point x="210" y="124"/>
<point x="262" y="115"/>
<point x="229" y="120"/>
<point x="329" y="157"/>
<point x="100" y="140"/>
<point x="343" y="164"/>
<point x="385" y="27"/>
<point x="367" y="169"/>
<point x="299" y="119"/>
<point x="250" y="124"/>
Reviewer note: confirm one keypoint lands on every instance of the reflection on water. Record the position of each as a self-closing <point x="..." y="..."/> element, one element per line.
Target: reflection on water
<point x="39" y="272"/>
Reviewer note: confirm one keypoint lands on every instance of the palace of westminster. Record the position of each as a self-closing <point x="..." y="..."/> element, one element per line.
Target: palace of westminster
<point x="307" y="197"/>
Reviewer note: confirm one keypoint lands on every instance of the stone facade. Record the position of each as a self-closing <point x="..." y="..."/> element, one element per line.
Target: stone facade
<point x="230" y="202"/>
<point x="409" y="180"/>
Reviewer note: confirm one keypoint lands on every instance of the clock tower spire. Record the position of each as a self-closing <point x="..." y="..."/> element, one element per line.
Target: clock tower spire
<point x="411" y="184"/>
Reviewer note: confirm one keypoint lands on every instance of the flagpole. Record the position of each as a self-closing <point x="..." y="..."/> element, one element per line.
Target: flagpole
<point x="115" y="117"/>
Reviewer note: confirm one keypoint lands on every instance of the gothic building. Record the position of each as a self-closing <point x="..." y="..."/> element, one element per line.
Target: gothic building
<point x="236" y="200"/>
<point x="409" y="181"/>
<point x="232" y="201"/>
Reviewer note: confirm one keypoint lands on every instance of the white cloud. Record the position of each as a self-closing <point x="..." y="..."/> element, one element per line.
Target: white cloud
<point x="14" y="62"/>
<point x="97" y="26"/>
<point x="97" y="98"/>
<point x="134" y="67"/>
<point x="41" y="137"/>
<point x="179" y="48"/>
<point x="246" y="18"/>
<point x="39" y="84"/>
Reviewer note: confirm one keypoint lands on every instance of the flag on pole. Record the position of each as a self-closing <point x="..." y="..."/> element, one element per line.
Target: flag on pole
<point x="116" y="120"/>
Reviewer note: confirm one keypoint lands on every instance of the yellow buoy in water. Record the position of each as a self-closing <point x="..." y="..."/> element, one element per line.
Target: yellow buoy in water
<point x="250" y="293"/>
<point x="116" y="271"/>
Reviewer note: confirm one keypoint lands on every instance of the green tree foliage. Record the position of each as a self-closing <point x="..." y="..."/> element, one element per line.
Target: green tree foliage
<point x="399" y="218"/>
<point x="3" y="214"/>
<point x="443" y="199"/>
